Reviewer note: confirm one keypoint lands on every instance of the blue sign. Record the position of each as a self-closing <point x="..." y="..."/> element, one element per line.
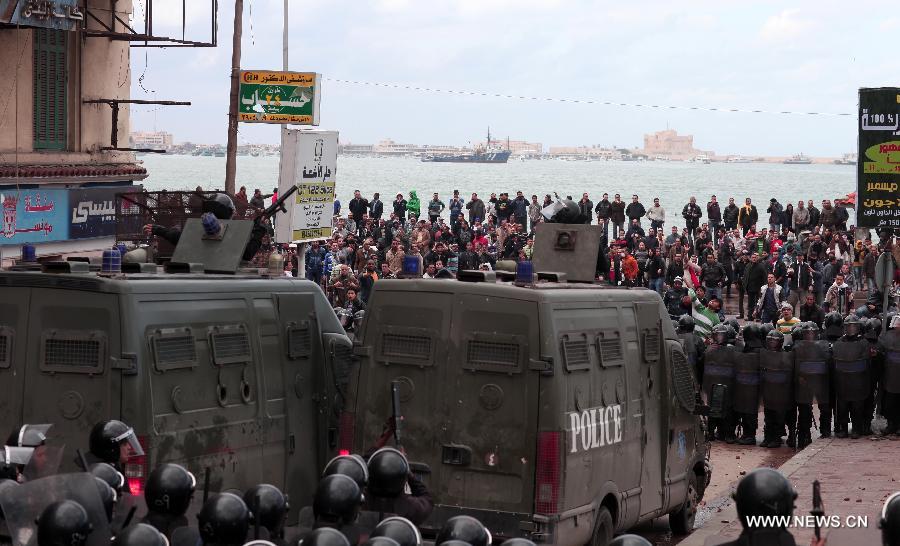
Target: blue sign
<point x="34" y="216"/>
<point x="93" y="211"/>
<point x="52" y="14"/>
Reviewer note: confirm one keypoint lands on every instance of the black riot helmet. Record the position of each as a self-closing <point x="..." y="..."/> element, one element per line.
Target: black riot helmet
<point x="774" y="340"/>
<point x="734" y="323"/>
<point x="400" y="529"/>
<point x="108" y="497"/>
<point x="381" y="541"/>
<point x="29" y="436"/>
<point x="630" y="540"/>
<point x="107" y="438"/>
<point x="517" y="542"/>
<point x="466" y="529"/>
<point x="63" y="523"/>
<point x="325" y="536"/>
<point x="764" y="492"/>
<point x="224" y="520"/>
<point x="834" y="325"/>
<point x="110" y="475"/>
<point x="764" y="329"/>
<point x="720" y="334"/>
<point x="388" y="471"/>
<point x="269" y="506"/>
<point x="873" y="328"/>
<point x="141" y="535"/>
<point x="685" y="324"/>
<point x="349" y="465"/>
<point x="337" y="500"/>
<point x="169" y="489"/>
<point x="220" y="205"/>
<point x="810" y="331"/>
<point x="890" y="521"/>
<point x="569" y="213"/>
<point x="853" y="326"/>
<point x="753" y="335"/>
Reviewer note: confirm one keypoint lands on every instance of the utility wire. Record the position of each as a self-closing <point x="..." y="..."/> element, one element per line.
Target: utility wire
<point x="580" y="101"/>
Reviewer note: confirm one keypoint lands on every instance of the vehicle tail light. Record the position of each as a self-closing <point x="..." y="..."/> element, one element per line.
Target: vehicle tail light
<point x="348" y="424"/>
<point x="547" y="473"/>
<point x="137" y="468"/>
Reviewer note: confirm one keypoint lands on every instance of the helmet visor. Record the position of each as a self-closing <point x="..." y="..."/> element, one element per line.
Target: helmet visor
<point x="133" y="444"/>
<point x="774" y="343"/>
<point x="17" y="455"/>
<point x="33" y="435"/>
<point x="851" y="329"/>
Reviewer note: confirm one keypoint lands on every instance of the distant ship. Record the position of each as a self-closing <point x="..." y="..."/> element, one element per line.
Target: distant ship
<point x="798" y="159"/>
<point x="487" y="154"/>
<point x="848" y="159"/>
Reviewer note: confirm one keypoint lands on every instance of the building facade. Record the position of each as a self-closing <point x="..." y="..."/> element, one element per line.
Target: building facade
<point x="152" y="140"/>
<point x="671" y="145"/>
<point x="58" y="175"/>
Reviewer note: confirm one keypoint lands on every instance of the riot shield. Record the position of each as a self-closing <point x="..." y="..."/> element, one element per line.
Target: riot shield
<point x="23" y="505"/>
<point x="186" y="536"/>
<point x="44" y="462"/>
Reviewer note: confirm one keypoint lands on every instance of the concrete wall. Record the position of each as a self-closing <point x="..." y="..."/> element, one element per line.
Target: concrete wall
<point x="98" y="68"/>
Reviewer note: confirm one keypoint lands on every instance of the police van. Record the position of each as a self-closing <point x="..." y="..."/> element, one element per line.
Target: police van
<point x="562" y="412"/>
<point x="241" y="375"/>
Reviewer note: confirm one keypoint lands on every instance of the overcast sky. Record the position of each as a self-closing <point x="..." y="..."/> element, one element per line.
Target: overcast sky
<point x="765" y="55"/>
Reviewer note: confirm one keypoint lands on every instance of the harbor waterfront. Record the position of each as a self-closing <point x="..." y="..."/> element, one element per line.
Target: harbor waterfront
<point x="673" y="182"/>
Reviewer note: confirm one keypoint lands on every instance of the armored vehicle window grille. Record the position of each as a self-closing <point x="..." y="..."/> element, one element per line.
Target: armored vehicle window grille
<point x="683" y="380"/>
<point x="492" y="356"/>
<point x="651" y="345"/>
<point x="5" y="348"/>
<point x="576" y="354"/>
<point x="73" y="351"/>
<point x="299" y="341"/>
<point x="610" y="351"/>
<point x="231" y="346"/>
<point x="174" y="349"/>
<point x="406" y="346"/>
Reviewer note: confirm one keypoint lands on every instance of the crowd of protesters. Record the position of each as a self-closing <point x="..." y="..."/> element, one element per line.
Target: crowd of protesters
<point x="807" y="256"/>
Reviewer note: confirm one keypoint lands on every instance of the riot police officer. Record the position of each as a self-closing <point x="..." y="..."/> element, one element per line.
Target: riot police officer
<point x="718" y="368"/>
<point x="269" y="507"/>
<point x="764" y="492"/>
<point x="746" y="384"/>
<point x="871" y="331"/>
<point x="168" y="493"/>
<point x="141" y="535"/>
<point x="389" y="476"/>
<point x="325" y="536"/>
<point x="812" y="365"/>
<point x="630" y="540"/>
<point x="834" y="326"/>
<point x="224" y="520"/>
<point x="110" y="475"/>
<point x="889" y="349"/>
<point x="400" y="529"/>
<point x="349" y="465"/>
<point x="777" y="390"/>
<point x="108" y="497"/>
<point x="466" y="529"/>
<point x="692" y="343"/>
<point x="113" y="442"/>
<point x="890" y="521"/>
<point x="336" y="504"/>
<point x="63" y="523"/>
<point x="852" y="377"/>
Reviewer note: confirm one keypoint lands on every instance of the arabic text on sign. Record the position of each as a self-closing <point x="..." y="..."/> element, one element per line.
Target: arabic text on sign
<point x="45" y="9"/>
<point x="881" y="186"/>
<point x="300" y="79"/>
<point x="879" y="203"/>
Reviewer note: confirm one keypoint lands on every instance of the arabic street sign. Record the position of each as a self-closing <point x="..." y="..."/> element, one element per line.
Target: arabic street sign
<point x="54" y="14"/>
<point x="34" y="216"/>
<point x="279" y="97"/>
<point x="878" y="169"/>
<point x="309" y="161"/>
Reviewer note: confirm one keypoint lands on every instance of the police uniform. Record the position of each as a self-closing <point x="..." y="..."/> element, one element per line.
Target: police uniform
<point x="852" y="382"/>
<point x="746" y="393"/>
<point x="889" y="349"/>
<point x="718" y="368"/>
<point x="812" y="366"/>
<point x="776" y="388"/>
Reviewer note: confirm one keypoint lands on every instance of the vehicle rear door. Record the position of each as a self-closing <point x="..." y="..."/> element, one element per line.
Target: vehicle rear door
<point x="73" y="340"/>
<point x="655" y="404"/>
<point x="13" y="329"/>
<point x="489" y="405"/>
<point x="299" y="381"/>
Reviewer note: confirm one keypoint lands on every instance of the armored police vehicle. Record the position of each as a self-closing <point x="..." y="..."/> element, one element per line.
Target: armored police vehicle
<point x="236" y="373"/>
<point x="558" y="411"/>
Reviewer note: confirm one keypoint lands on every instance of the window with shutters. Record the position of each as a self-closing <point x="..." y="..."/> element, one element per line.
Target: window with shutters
<point x="50" y="84"/>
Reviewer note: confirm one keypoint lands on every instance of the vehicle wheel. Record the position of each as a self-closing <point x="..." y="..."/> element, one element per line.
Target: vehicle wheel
<point x="681" y="521"/>
<point x="603" y="529"/>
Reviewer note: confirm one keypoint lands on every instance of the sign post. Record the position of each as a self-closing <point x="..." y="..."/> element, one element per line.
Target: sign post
<point x="279" y="97"/>
<point x="878" y="170"/>
<point x="309" y="161"/>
